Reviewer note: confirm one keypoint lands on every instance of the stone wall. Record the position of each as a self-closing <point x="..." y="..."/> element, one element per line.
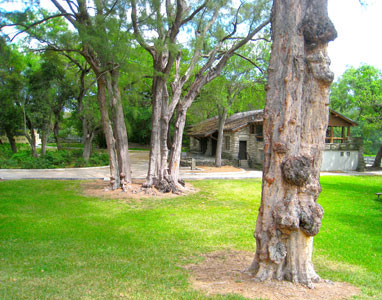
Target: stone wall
<point x="228" y="153"/>
<point x="194" y="144"/>
<point x="254" y="147"/>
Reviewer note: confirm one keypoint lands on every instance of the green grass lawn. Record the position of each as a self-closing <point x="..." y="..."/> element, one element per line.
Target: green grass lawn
<point x="57" y="244"/>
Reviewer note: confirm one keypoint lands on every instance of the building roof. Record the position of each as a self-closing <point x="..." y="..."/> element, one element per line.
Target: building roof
<point x="241" y="119"/>
<point x="233" y="123"/>
<point x="345" y="120"/>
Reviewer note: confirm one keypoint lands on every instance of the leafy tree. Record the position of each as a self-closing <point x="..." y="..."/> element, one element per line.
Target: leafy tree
<point x="358" y="94"/>
<point x="182" y="65"/>
<point x="102" y="37"/>
<point x="104" y="41"/>
<point x="11" y="86"/>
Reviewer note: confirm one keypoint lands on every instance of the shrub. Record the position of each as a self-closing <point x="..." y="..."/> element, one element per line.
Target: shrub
<point x="23" y="159"/>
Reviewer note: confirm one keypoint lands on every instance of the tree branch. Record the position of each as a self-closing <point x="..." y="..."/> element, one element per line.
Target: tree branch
<point x="137" y="32"/>
<point x="250" y="61"/>
<point x="63" y="11"/>
<point x="27" y="27"/>
<point x="71" y="7"/>
<point x="196" y="11"/>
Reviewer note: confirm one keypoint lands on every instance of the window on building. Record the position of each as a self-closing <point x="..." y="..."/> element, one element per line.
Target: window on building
<point x="252" y="129"/>
<point x="259" y="132"/>
<point x="227" y="142"/>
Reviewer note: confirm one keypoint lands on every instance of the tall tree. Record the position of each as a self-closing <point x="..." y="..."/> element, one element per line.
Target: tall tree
<point x="11" y="86"/>
<point x="104" y="41"/>
<point x="214" y="41"/>
<point x="295" y="121"/>
<point x="358" y="94"/>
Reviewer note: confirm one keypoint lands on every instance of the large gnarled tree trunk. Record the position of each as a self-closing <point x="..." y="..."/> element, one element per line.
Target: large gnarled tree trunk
<point x="295" y="121"/>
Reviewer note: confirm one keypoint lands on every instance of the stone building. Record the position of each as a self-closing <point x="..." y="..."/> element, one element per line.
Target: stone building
<point x="243" y="141"/>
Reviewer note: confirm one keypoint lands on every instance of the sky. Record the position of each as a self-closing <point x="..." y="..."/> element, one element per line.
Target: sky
<point x="359" y="38"/>
<point x="359" y="29"/>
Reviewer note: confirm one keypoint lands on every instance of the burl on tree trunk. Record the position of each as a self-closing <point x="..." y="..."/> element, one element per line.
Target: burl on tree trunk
<point x="295" y="121"/>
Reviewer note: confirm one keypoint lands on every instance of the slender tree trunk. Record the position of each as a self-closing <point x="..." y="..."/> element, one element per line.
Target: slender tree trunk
<point x="164" y="130"/>
<point x="377" y="160"/>
<point x="87" y="133"/>
<point x="176" y="150"/>
<point x="88" y="145"/>
<point x="44" y="138"/>
<point x="219" y="146"/>
<point x="56" y="130"/>
<point x="32" y="137"/>
<point x="295" y="121"/>
<point x="32" y="142"/>
<point x="154" y="159"/>
<point x="108" y="131"/>
<point x="120" y="131"/>
<point x="11" y="140"/>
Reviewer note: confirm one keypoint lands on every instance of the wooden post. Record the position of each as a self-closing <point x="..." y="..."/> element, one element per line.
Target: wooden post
<point x="331" y="134"/>
<point x="343" y="134"/>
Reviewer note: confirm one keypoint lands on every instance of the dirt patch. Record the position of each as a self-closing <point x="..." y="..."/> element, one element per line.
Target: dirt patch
<point x="222" y="272"/>
<point x="209" y="169"/>
<point x="101" y="189"/>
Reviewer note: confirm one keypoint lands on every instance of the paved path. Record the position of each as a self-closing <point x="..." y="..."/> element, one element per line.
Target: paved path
<point x="139" y="167"/>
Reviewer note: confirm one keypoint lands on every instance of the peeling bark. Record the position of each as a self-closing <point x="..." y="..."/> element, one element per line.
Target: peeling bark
<point x="295" y="122"/>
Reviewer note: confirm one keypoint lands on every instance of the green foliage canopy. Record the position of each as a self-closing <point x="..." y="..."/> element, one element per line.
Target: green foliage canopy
<point x="358" y="95"/>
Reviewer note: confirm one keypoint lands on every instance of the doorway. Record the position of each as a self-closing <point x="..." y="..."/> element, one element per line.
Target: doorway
<point x="242" y="150"/>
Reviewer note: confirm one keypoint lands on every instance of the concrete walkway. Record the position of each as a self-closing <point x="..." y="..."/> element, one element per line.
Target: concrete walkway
<point x="139" y="160"/>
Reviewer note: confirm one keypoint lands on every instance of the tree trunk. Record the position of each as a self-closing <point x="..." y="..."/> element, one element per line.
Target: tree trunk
<point x="32" y="137"/>
<point x="44" y="138"/>
<point x="154" y="159"/>
<point x="164" y="131"/>
<point x="108" y="131"/>
<point x="11" y="140"/>
<point x="377" y="160"/>
<point x="87" y="131"/>
<point x="32" y="142"/>
<point x="56" y="130"/>
<point x="295" y="121"/>
<point x="219" y="146"/>
<point x="88" y="145"/>
<point x="176" y="149"/>
<point x="120" y="131"/>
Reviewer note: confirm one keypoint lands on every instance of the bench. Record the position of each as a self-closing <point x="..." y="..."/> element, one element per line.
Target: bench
<point x="378" y="194"/>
